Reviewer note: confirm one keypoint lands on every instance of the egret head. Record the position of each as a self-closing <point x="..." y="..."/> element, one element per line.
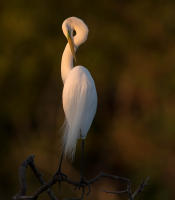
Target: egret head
<point x="75" y="25"/>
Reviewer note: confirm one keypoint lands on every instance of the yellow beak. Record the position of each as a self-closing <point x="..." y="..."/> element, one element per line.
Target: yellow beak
<point x="71" y="44"/>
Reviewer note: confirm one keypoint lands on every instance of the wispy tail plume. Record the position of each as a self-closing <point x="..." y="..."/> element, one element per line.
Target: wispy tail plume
<point x="70" y="136"/>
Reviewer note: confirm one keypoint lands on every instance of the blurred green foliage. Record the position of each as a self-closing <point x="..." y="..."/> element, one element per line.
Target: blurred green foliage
<point x="130" y="53"/>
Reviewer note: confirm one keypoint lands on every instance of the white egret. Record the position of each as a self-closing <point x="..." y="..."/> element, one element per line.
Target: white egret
<point x="79" y="93"/>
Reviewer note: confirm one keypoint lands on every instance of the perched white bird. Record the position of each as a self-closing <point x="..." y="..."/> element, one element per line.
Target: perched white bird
<point x="79" y="92"/>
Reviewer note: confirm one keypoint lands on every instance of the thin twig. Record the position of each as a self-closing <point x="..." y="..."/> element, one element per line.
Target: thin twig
<point x="128" y="190"/>
<point x="117" y="192"/>
<point x="140" y="187"/>
<point x="105" y="175"/>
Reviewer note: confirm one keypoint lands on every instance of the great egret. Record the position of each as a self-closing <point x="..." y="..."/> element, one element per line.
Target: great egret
<point x="79" y="93"/>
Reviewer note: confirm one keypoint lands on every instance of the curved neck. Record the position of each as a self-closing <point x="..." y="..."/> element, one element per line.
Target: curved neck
<point x="67" y="57"/>
<point x="66" y="62"/>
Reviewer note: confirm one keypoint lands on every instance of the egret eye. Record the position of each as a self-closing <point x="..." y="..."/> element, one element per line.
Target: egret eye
<point x="74" y="32"/>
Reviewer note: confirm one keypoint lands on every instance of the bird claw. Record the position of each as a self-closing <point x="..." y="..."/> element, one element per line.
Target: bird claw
<point x="82" y="184"/>
<point x="60" y="176"/>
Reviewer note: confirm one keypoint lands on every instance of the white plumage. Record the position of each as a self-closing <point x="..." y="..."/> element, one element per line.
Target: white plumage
<point x="79" y="92"/>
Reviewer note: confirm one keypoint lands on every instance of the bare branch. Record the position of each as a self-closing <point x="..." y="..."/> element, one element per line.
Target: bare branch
<point x="22" y="179"/>
<point x="60" y="177"/>
<point x="22" y="175"/>
<point x="41" y="180"/>
<point x="128" y="190"/>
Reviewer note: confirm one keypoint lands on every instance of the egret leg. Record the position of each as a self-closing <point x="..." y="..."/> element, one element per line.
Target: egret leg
<point x="59" y="175"/>
<point x="82" y="158"/>
<point x="60" y="162"/>
<point x="83" y="182"/>
<point x="82" y="179"/>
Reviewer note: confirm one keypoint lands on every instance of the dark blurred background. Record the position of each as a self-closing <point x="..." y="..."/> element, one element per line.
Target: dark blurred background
<point x="130" y="53"/>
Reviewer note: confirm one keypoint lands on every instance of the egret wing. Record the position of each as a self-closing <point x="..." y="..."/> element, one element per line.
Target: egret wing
<point x="79" y="104"/>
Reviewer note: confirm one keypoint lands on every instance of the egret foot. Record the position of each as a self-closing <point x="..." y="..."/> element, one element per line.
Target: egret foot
<point x="83" y="184"/>
<point x="60" y="176"/>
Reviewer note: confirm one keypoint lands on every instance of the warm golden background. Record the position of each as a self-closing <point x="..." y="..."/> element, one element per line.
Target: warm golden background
<point x="131" y="55"/>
